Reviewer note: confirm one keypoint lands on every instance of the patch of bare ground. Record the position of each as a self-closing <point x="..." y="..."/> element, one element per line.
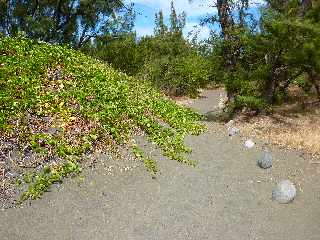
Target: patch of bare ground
<point x="295" y="125"/>
<point x="187" y="101"/>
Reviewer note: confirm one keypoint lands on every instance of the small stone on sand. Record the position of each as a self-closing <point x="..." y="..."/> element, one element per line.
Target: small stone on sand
<point x="266" y="160"/>
<point x="249" y="144"/>
<point x="233" y="131"/>
<point x="230" y="123"/>
<point x="284" y="192"/>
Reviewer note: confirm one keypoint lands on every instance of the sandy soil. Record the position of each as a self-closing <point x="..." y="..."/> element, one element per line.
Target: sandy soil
<point x="226" y="196"/>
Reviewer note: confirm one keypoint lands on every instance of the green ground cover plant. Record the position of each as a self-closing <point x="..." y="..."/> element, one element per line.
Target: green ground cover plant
<point x="58" y="103"/>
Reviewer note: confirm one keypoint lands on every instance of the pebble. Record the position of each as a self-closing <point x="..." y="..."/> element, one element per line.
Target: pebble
<point x="266" y="160"/>
<point x="222" y="103"/>
<point x="54" y="130"/>
<point x="46" y="119"/>
<point x="285" y="192"/>
<point x="230" y="123"/>
<point x="249" y="144"/>
<point x="15" y="155"/>
<point x="233" y="131"/>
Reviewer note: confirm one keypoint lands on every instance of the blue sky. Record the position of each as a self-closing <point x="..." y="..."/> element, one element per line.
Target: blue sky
<point x="146" y="10"/>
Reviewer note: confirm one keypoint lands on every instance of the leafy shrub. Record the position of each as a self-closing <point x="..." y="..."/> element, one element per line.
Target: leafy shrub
<point x="178" y="76"/>
<point x="258" y="67"/>
<point x="304" y="84"/>
<point x="120" y="51"/>
<point x="168" y="61"/>
<point x="173" y="65"/>
<point x="250" y="102"/>
<point x="169" y="44"/>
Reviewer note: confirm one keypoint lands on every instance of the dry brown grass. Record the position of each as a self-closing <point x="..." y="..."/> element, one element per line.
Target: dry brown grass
<point x="294" y="126"/>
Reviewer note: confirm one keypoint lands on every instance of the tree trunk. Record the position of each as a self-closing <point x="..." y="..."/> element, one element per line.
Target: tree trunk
<point x="270" y="88"/>
<point x="314" y="78"/>
<point x="225" y="18"/>
<point x="305" y="6"/>
<point x="272" y="84"/>
<point x="227" y="25"/>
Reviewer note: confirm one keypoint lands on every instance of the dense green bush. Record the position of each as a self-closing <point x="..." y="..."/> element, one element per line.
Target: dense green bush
<point x="178" y="75"/>
<point x="173" y="65"/>
<point x="265" y="63"/>
<point x="121" y="51"/>
<point x="166" y="59"/>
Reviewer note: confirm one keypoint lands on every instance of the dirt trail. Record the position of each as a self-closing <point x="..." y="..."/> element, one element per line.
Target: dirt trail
<point x="226" y="196"/>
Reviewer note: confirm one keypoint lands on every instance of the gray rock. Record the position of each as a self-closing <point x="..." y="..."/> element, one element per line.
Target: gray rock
<point x="57" y="75"/>
<point x="46" y="119"/>
<point x="54" y="130"/>
<point x="233" y="131"/>
<point x="284" y="192"/>
<point x="266" y="160"/>
<point x="15" y="155"/>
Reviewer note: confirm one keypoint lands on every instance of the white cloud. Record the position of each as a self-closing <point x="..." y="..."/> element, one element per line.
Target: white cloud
<point x="144" y="30"/>
<point x="196" y="8"/>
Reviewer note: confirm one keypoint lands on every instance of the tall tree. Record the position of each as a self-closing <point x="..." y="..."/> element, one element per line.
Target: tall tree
<point x="160" y="28"/>
<point x="62" y="21"/>
<point x="230" y="29"/>
<point x="177" y="22"/>
<point x="173" y="19"/>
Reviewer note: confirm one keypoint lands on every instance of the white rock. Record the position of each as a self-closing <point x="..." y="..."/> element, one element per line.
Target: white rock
<point x="284" y="192"/>
<point x="249" y="143"/>
<point x="233" y="131"/>
<point x="266" y="160"/>
<point x="222" y="103"/>
<point x="230" y="123"/>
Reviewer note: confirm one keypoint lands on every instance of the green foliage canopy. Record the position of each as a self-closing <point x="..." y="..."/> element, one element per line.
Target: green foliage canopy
<point x="61" y="21"/>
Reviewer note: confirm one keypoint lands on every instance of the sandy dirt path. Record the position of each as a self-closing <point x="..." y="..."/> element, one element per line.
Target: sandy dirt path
<point x="226" y="196"/>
